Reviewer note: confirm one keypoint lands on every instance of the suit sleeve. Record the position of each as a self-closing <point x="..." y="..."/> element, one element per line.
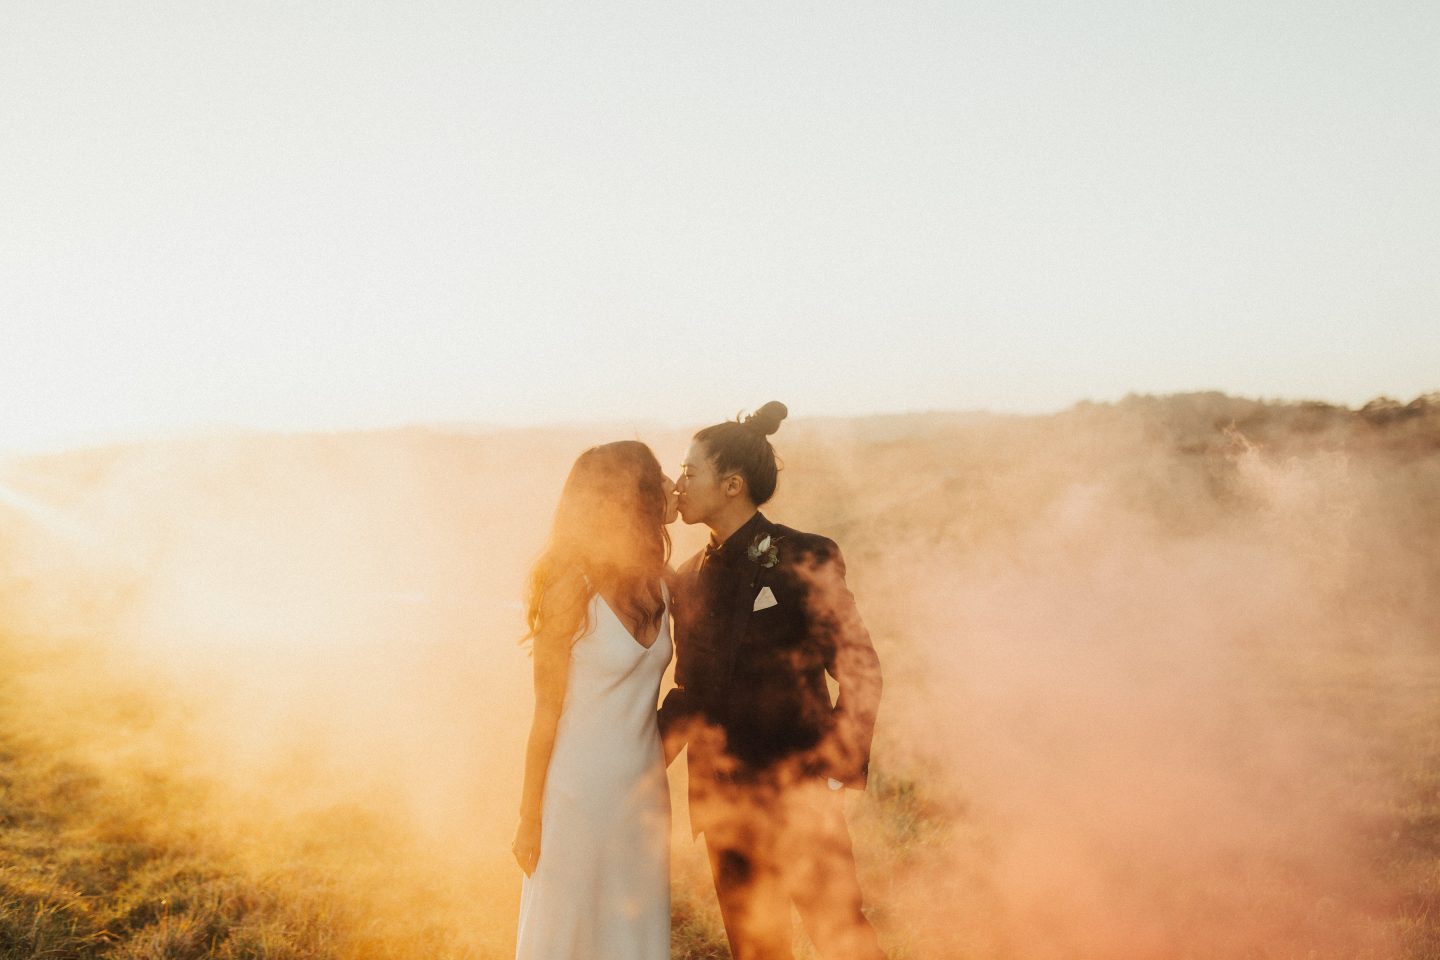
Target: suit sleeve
<point x="851" y="659"/>
<point x="676" y="710"/>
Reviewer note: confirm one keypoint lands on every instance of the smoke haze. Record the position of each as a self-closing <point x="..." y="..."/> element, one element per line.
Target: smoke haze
<point x="1161" y="676"/>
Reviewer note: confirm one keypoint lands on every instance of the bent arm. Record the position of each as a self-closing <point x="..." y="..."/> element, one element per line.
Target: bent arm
<point x="679" y="708"/>
<point x="851" y="659"/>
<point x="677" y="711"/>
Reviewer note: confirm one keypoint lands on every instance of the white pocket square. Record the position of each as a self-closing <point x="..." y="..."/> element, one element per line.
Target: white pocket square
<point x="765" y="599"/>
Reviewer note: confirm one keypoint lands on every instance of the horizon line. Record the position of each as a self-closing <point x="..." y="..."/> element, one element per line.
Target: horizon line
<point x="215" y="431"/>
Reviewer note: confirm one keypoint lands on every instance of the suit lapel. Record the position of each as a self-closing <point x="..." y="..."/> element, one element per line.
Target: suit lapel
<point x="739" y="603"/>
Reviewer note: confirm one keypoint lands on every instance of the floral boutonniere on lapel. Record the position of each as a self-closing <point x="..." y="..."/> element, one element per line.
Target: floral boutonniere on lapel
<point x="763" y="550"/>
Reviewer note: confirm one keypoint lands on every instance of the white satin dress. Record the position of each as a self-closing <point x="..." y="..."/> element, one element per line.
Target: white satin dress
<point x="601" y="888"/>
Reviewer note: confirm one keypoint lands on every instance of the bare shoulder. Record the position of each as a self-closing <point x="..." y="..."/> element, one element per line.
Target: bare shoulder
<point x="564" y="592"/>
<point x="562" y="613"/>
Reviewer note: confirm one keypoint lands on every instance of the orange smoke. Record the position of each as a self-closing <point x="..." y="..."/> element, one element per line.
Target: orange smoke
<point x="1155" y="672"/>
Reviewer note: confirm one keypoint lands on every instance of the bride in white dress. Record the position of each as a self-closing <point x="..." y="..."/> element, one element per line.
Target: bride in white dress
<point x="594" y="834"/>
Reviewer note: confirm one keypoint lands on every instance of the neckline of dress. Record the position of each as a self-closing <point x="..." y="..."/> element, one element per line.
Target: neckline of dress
<point x="653" y="641"/>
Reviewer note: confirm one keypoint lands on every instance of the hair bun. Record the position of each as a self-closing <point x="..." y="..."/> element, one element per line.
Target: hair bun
<point x="766" y="420"/>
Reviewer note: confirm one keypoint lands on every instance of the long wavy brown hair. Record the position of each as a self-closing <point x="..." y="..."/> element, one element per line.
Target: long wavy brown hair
<point x="609" y="536"/>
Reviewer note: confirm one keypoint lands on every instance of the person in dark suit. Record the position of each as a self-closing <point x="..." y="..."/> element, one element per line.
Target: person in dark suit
<point x="761" y="616"/>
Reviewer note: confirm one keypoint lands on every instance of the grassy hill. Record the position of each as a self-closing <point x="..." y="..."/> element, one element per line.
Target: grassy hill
<point x="1162" y="680"/>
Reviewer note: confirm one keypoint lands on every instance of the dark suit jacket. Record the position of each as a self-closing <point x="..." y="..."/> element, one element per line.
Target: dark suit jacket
<point x="751" y="699"/>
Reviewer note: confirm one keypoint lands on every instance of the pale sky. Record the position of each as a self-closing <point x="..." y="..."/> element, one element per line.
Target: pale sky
<point x="303" y="215"/>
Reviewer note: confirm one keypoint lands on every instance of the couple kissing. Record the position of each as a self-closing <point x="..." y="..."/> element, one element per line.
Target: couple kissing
<point x="756" y="621"/>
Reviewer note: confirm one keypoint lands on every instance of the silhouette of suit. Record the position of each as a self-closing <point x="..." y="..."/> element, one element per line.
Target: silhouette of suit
<point x="760" y="620"/>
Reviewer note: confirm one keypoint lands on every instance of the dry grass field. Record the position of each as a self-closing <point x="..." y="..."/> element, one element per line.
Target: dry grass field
<point x="1162" y="683"/>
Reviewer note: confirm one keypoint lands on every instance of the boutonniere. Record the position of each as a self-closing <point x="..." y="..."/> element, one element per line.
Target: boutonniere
<point x="763" y="550"/>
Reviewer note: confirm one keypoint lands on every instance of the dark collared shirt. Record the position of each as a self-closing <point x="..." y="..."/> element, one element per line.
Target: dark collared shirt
<point x="729" y="554"/>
